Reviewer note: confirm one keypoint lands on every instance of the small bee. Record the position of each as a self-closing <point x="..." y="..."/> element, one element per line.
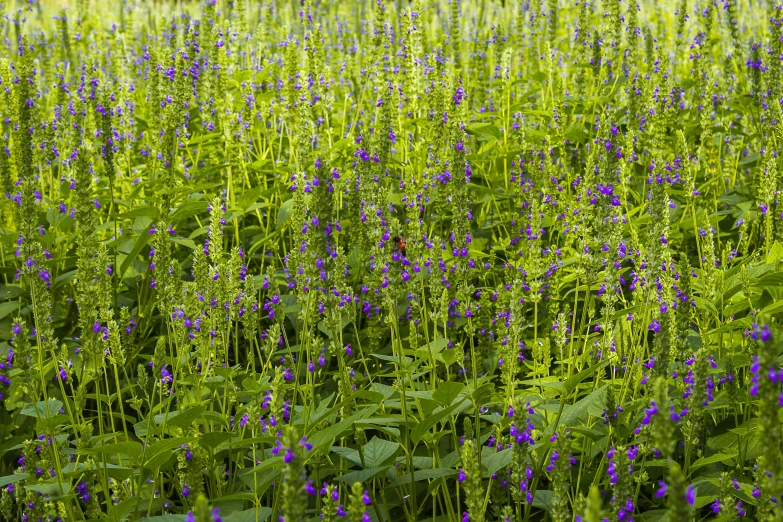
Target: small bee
<point x="399" y="244"/>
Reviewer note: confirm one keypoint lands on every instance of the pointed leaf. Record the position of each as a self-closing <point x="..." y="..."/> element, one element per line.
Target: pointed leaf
<point x="378" y="451"/>
<point x="447" y="392"/>
<point x="424" y="426"/>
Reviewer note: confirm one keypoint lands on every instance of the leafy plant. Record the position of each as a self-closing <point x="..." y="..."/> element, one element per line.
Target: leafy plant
<point x="387" y="261"/>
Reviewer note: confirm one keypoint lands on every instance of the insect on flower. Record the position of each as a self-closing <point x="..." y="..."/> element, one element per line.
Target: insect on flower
<point x="399" y="244"/>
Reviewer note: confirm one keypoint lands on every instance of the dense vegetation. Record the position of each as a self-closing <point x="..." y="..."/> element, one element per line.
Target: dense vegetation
<point x="386" y="261"/>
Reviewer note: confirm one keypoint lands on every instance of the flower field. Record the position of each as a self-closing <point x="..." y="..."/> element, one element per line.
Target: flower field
<point x="382" y="260"/>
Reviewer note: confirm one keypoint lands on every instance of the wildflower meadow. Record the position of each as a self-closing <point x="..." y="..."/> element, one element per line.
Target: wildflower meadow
<point x="381" y="260"/>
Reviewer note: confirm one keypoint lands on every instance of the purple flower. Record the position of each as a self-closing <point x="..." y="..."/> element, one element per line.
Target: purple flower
<point x="690" y="495"/>
<point x="165" y="375"/>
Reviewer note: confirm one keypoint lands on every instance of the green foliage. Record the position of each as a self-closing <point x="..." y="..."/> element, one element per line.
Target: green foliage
<point x="434" y="260"/>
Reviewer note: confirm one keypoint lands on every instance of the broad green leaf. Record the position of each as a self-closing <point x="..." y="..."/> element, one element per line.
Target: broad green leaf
<point x="213" y="439"/>
<point x="213" y="416"/>
<point x="497" y="461"/>
<point x="119" y="449"/>
<point x="43" y="409"/>
<point x="148" y="212"/>
<point x="12" y="479"/>
<point x="448" y="391"/>
<point x="349" y="454"/>
<point x="189" y="243"/>
<point x="284" y="212"/>
<point x="434" y="347"/>
<point x="250" y="196"/>
<point x="378" y="451"/>
<point x="53" y="490"/>
<point x="482" y="393"/>
<point x="188" y="209"/>
<point x="572" y="412"/>
<point x="8" y="307"/>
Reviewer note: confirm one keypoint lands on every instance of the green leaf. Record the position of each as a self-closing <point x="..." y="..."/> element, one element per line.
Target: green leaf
<point x="447" y="392"/>
<point x="320" y="414"/>
<point x="325" y="437"/>
<point x="270" y="463"/>
<point x="163" y="450"/>
<point x="575" y="133"/>
<point x="362" y="475"/>
<point x="428" y="422"/>
<point x="140" y="243"/>
<point x="122" y="449"/>
<point x="482" y="393"/>
<point x="349" y="454"/>
<point x="720" y="457"/>
<point x="775" y="253"/>
<point x="114" y="471"/>
<point x="148" y="212"/>
<point x="213" y="439"/>
<point x="43" y="409"/>
<point x="120" y="510"/>
<point x="186" y="210"/>
<point x="772" y="308"/>
<point x="424" y="474"/>
<point x="12" y="479"/>
<point x="434" y="347"/>
<point x="573" y="412"/>
<point x="189" y="243"/>
<point x="215" y="417"/>
<point x="8" y="307"/>
<point x="378" y="451"/>
<point x="249" y="197"/>
<point x="485" y="130"/>
<point x="158" y="460"/>
<point x="284" y="212"/>
<point x="66" y="277"/>
<point x="393" y="359"/>
<point x="750" y="160"/>
<point x="497" y="461"/>
<point x="52" y="489"/>
<point x="571" y="384"/>
<point x="181" y="418"/>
